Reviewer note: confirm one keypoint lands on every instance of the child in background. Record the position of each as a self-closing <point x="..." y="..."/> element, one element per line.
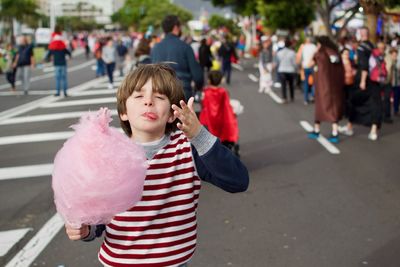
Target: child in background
<point x="217" y="114"/>
<point x="161" y="229"/>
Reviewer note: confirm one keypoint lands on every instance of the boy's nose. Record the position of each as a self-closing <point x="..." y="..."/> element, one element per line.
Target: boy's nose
<point x="148" y="101"/>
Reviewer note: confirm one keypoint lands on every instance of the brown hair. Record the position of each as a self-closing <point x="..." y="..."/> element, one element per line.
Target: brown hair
<point x="164" y="82"/>
<point x="215" y="77"/>
<point x="143" y="48"/>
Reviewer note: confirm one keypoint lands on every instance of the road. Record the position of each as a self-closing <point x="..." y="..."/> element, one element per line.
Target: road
<point x="308" y="204"/>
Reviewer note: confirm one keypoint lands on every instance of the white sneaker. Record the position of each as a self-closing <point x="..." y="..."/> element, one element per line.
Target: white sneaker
<point x="373" y="136"/>
<point x="110" y="86"/>
<point x="345" y="130"/>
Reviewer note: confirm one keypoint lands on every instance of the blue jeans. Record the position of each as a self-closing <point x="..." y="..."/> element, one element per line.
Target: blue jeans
<point x="307" y="89"/>
<point x="100" y="68"/>
<point x="61" y="78"/>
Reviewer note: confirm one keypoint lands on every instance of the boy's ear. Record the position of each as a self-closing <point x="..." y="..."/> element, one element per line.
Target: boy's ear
<point x="124" y="117"/>
<point x="171" y="118"/>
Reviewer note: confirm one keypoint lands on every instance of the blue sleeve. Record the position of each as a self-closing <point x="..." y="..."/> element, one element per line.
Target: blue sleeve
<point x="194" y="67"/>
<point x="221" y="168"/>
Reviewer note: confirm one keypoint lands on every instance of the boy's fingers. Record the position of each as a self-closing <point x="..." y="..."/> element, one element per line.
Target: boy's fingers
<point x="190" y="103"/>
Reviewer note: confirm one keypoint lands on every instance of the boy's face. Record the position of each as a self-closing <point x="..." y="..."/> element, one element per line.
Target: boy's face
<point x="148" y="113"/>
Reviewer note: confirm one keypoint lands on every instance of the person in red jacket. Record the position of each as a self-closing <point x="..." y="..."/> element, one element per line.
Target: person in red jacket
<point x="217" y="114"/>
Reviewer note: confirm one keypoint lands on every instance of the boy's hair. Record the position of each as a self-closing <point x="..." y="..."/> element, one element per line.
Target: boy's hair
<point x="215" y="77"/>
<point x="164" y="81"/>
<point x="169" y="22"/>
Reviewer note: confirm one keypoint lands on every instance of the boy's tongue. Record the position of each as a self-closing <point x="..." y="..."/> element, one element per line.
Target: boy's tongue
<point x="150" y="115"/>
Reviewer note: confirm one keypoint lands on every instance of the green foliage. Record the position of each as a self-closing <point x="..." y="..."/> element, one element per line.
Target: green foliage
<point x="243" y="7"/>
<point x="21" y="10"/>
<point x="217" y="21"/>
<point x="290" y="15"/>
<point x="143" y="13"/>
<point x="76" y="24"/>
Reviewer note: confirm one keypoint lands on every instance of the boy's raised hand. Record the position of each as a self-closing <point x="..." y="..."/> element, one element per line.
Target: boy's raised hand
<point x="190" y="125"/>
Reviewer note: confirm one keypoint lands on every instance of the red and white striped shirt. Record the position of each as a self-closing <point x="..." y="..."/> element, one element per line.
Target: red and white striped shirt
<point x="161" y="229"/>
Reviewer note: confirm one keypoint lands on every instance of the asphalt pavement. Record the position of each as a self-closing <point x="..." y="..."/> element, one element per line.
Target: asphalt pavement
<point x="307" y="205"/>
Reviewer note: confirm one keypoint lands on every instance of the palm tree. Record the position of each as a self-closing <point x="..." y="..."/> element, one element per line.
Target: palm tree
<point x="21" y="10"/>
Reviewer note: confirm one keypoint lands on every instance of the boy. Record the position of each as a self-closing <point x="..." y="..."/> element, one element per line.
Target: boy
<point x="217" y="114"/>
<point x="161" y="229"/>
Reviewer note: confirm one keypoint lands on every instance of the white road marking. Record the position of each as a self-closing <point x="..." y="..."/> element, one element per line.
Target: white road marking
<point x="37" y="244"/>
<point x="31" y="92"/>
<point x="37" y="103"/>
<point x="9" y="238"/>
<point x="105" y="85"/>
<point x="253" y="77"/>
<point x="96" y="92"/>
<point x="237" y="66"/>
<point x="48" y="117"/>
<point x="48" y="69"/>
<point x="81" y="102"/>
<point x="321" y="139"/>
<point x="275" y="97"/>
<point x="49" y="75"/>
<point x="26" y="171"/>
<point x="32" y="138"/>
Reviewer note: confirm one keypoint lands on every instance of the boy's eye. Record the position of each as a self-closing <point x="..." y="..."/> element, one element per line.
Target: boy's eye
<point x="137" y="96"/>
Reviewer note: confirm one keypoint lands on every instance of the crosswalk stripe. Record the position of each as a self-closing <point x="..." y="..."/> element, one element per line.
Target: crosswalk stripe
<point x="27" y="171"/>
<point x="48" y="117"/>
<point x="321" y="139"/>
<point x="81" y="102"/>
<point x="96" y="92"/>
<point x="35" y="246"/>
<point x="37" y="103"/>
<point x="105" y="85"/>
<point x="9" y="238"/>
<point x="275" y="97"/>
<point x="31" y="92"/>
<point x="253" y="77"/>
<point x="31" y="138"/>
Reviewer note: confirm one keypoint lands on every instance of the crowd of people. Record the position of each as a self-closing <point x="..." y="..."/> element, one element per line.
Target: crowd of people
<point x="353" y="79"/>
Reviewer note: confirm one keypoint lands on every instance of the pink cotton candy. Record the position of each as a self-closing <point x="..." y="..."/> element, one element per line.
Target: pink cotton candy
<point x="98" y="173"/>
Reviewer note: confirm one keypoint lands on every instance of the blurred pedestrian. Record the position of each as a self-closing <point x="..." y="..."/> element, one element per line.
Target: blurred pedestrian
<point x="108" y="54"/>
<point x="227" y="54"/>
<point x="10" y="70"/>
<point x="205" y="56"/>
<point x="24" y="62"/>
<point x="329" y="82"/>
<point x="58" y="52"/>
<point x="394" y="79"/>
<point x="98" y="48"/>
<point x="306" y="60"/>
<point x="178" y="55"/>
<point x="286" y="65"/>
<point x="122" y="52"/>
<point x="142" y="53"/>
<point x="265" y="64"/>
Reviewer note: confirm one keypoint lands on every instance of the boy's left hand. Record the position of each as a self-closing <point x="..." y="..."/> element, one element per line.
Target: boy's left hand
<point x="190" y="125"/>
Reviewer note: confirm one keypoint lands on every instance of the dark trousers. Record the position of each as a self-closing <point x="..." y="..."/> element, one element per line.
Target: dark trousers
<point x="226" y="70"/>
<point x="110" y="70"/>
<point x="387" y="90"/>
<point x="286" y="77"/>
<point x="396" y="98"/>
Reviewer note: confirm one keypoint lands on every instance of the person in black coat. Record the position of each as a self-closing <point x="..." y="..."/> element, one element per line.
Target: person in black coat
<point x="205" y="56"/>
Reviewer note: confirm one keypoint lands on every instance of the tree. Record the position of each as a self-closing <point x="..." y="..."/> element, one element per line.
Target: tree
<point x="217" y="21"/>
<point x="21" y="10"/>
<point x="75" y="24"/>
<point x="289" y="15"/>
<point x="372" y="8"/>
<point x="242" y="7"/>
<point x="142" y="13"/>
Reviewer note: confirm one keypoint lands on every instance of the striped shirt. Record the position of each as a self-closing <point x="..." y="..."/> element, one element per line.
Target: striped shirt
<point x="161" y="229"/>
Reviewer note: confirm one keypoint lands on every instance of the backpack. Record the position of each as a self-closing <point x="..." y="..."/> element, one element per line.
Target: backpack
<point x="377" y="67"/>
